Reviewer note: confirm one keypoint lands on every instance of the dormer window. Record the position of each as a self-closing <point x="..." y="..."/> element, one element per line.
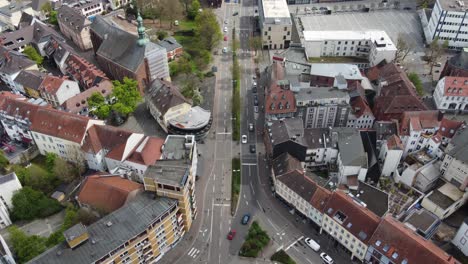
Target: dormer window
<point x="272" y="106"/>
<point x="283" y="97"/>
<point x="280" y="105"/>
<point x="287" y="105"/>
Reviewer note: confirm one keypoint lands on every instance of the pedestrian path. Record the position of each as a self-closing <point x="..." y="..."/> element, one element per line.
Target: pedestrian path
<point x="193" y="252"/>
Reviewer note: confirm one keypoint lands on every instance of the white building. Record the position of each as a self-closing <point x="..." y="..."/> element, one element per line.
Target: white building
<point x="375" y="46"/>
<point x="88" y="8"/>
<point x="11" y="64"/>
<point x="8" y="185"/>
<point x="420" y="173"/>
<point x="461" y="238"/>
<point x="6" y="255"/>
<point x="56" y="90"/>
<point x="444" y="201"/>
<point x="451" y="93"/>
<point x="455" y="164"/>
<point x="275" y="24"/>
<point x="447" y="22"/>
<point x="361" y="115"/>
<point x="390" y="155"/>
<point x="352" y="158"/>
<point x="322" y="148"/>
<point x="10" y="14"/>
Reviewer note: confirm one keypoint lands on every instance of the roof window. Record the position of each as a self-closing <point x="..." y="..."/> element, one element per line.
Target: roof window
<point x="378" y="243"/>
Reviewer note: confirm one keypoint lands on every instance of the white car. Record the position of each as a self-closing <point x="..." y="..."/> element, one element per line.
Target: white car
<point x="225" y="50"/>
<point x="225" y="29"/>
<point x="327" y="259"/>
<point x="254" y="83"/>
<point x="244" y="139"/>
<point x="312" y="244"/>
<point x="225" y="21"/>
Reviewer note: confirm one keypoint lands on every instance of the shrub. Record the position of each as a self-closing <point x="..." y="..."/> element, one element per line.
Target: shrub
<point x="255" y="241"/>
<point x="29" y="204"/>
<point x="282" y="257"/>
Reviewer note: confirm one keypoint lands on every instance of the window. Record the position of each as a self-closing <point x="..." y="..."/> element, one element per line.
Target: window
<point x="266" y="33"/>
<point x="395" y="255"/>
<point x="405" y="261"/>
<point x="285" y="28"/>
<point x="269" y="28"/>
<point x="386" y="248"/>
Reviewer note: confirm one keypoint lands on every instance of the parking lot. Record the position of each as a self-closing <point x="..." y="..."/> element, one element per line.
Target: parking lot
<point x="393" y="22"/>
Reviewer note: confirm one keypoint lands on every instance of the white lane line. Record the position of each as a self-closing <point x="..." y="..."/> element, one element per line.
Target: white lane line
<point x="214" y="177"/>
<point x="251" y="187"/>
<point x="309" y="261"/>
<point x="271" y="223"/>
<point x="193" y="250"/>
<point x="224" y="133"/>
<point x="221" y="205"/>
<point x="249" y="164"/>
<point x="247" y="202"/>
<point x="292" y="244"/>
<point x="258" y="204"/>
<point x="196" y="253"/>
<point x="244" y="195"/>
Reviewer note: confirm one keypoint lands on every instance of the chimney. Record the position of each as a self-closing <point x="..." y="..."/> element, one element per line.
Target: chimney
<point x="7" y="56"/>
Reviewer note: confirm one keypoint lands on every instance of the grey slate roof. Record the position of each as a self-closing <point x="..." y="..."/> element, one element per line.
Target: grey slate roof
<point x="317" y="137"/>
<point x="37" y="4"/>
<point x="170" y="44"/>
<point x="458" y="146"/>
<point x="128" y="53"/>
<point x="171" y="172"/>
<point x="351" y="147"/>
<point x="7" y="177"/>
<point x="16" y="63"/>
<point x="25" y="20"/>
<point x="164" y="95"/>
<point x="285" y="163"/>
<point x="72" y="18"/>
<point x="127" y="222"/>
<point x="31" y="79"/>
<point x="299" y="183"/>
<point x="284" y="130"/>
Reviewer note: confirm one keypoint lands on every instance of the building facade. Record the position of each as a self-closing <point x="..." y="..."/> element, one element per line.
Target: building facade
<point x="275" y="24"/>
<point x="75" y="26"/>
<point x="9" y="184"/>
<point x="451" y="94"/>
<point x="56" y="90"/>
<point x="461" y="238"/>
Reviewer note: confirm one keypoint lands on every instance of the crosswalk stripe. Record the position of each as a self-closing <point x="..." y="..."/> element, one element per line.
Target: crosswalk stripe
<point x="192" y="251"/>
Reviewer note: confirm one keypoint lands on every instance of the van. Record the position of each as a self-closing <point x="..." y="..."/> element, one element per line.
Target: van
<point x="312" y="244"/>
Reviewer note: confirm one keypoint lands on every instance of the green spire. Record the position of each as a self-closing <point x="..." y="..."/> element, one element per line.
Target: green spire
<point x="142" y="40"/>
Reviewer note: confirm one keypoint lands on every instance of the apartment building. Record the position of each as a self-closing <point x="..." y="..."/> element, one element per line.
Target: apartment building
<point x="11" y="64"/>
<point x="461" y="238"/>
<point x="454" y="167"/>
<point x="174" y="175"/>
<point x="390" y="155"/>
<point x="447" y="23"/>
<point x="279" y="98"/>
<point x="56" y="90"/>
<point x="9" y="184"/>
<point x="323" y="107"/>
<point x="361" y="115"/>
<point x="75" y="26"/>
<point x="451" y="94"/>
<point x="88" y="8"/>
<point x="420" y="171"/>
<point x="372" y="46"/>
<point x="275" y="24"/>
<point x="445" y="200"/>
<point x="29" y="82"/>
<point x="156" y="227"/>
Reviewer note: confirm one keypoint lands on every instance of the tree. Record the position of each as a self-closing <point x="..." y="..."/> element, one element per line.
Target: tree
<point x="50" y="161"/>
<point x="151" y="13"/>
<point x="26" y="247"/>
<point x="53" y="18"/>
<point x="127" y="95"/>
<point x="3" y="161"/>
<point x="186" y="4"/>
<point x="29" y="204"/>
<point x="99" y="107"/>
<point x="207" y="30"/>
<point x="86" y="217"/>
<point x="64" y="170"/>
<point x="256" y="43"/>
<point x="191" y="91"/>
<point x="33" y="54"/>
<point x="435" y="51"/>
<point x="162" y="34"/>
<point x="47" y="8"/>
<point x="403" y="49"/>
<point x="414" y="78"/>
<point x="173" y="10"/>
<point x="194" y="10"/>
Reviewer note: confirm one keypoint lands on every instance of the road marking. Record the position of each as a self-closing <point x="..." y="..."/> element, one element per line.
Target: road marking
<point x="244" y="195"/>
<point x="224" y="133"/>
<point x="272" y="225"/>
<point x="214" y="177"/>
<point x="251" y="187"/>
<point x="259" y="204"/>
<point x="293" y="243"/>
<point x="247" y="202"/>
<point x="213" y="188"/>
<point x="249" y="164"/>
<point x="221" y="204"/>
<point x="193" y="252"/>
<point x="309" y="261"/>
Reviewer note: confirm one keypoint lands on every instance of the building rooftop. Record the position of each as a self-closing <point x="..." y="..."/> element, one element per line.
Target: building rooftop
<point x="195" y="118"/>
<point x="287" y="129"/>
<point x="421" y="221"/>
<point x="78" y="102"/>
<point x="419" y="120"/>
<point x="276" y="9"/>
<point x="375" y="199"/>
<point x="170" y="172"/>
<point x="12" y="61"/>
<point x="164" y="95"/>
<point x="351" y="147"/>
<point x="14" y="6"/>
<point x="299" y="184"/>
<point x="440" y="199"/>
<point x="448" y="127"/>
<point x="385" y="129"/>
<point x="458" y="146"/>
<point x="316" y="94"/>
<point x="31" y="79"/>
<point x="349" y="71"/>
<point x="317" y="138"/>
<point x="384" y="41"/>
<point x="7" y="178"/>
<point x="177" y="147"/>
<point x="170" y="44"/>
<point x="72" y="18"/>
<point x="111" y="231"/>
<point x="459" y="5"/>
<point x="285" y="163"/>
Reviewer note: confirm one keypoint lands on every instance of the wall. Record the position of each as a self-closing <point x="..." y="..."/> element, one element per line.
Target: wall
<point x="391" y="159"/>
<point x="276" y="36"/>
<point x="65" y="149"/>
<point x="455" y="170"/>
<point x="461" y="238"/>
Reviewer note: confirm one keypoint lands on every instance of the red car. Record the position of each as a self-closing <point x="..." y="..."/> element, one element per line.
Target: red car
<point x="225" y="38"/>
<point x="231" y="234"/>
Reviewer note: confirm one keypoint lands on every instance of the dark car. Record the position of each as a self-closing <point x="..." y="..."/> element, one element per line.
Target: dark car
<point x="255" y="102"/>
<point x="245" y="219"/>
<point x="251" y="127"/>
<point x="254" y="89"/>
<point x="235" y="13"/>
<point x="252" y="149"/>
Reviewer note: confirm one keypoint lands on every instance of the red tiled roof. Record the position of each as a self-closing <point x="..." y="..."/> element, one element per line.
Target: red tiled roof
<point x="373" y="73"/>
<point x="394" y="142"/>
<point x="60" y="124"/>
<point x="402" y="243"/>
<point x="320" y="198"/>
<point x="359" y="221"/>
<point x="419" y="120"/>
<point x="360" y="107"/>
<point x="279" y="100"/>
<point x="82" y="70"/>
<point x="449" y="127"/>
<point x="104" y="137"/>
<point x="51" y="84"/>
<point x="76" y="103"/>
<point x="147" y="152"/>
<point x="15" y="105"/>
<point x="456" y="86"/>
<point x="107" y="193"/>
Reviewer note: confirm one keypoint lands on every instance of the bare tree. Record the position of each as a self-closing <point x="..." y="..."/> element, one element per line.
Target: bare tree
<point x="435" y="51"/>
<point x="256" y="43"/>
<point x="403" y="49"/>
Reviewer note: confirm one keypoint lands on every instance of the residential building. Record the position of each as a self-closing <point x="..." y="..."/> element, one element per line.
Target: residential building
<point x="322" y="146"/>
<point x="347" y="220"/>
<point x="107" y="193"/>
<point x="153" y="233"/>
<point x="461" y="238"/>
<point x="420" y="171"/>
<point x="11" y="64"/>
<point x="5" y="254"/>
<point x="279" y="99"/>
<point x="135" y="57"/>
<point x="318" y="203"/>
<point x="456" y="65"/>
<point x="10" y="14"/>
<point x="385" y="129"/>
<point x="117" y="4"/>
<point x="446" y="23"/>
<point x="361" y="115"/>
<point x="88" y="8"/>
<point x="58" y="51"/>
<point x="323" y="107"/>
<point x="397" y="94"/>
<point x="283" y="164"/>
<point x="9" y="184"/>
<point x="390" y="155"/>
<point x="373" y="46"/>
<point x="451" y="94"/>
<point x="445" y="200"/>
<point x="29" y="81"/>
<point x="173" y="48"/>
<point x="78" y="104"/>
<point x="455" y="163"/>
<point x="174" y="175"/>
<point x="338" y="75"/>
<point x="56" y="90"/>
<point x="422" y="222"/>
<point x="285" y="136"/>
<point x="275" y="24"/>
<point x="85" y="73"/>
<point x="75" y="26"/>
<point x="174" y="113"/>
<point x="395" y="243"/>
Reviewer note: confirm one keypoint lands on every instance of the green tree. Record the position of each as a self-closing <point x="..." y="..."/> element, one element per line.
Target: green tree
<point x="29" y="204"/>
<point x="207" y="29"/>
<point x="127" y="95"/>
<point x="50" y="161"/>
<point x="26" y="247"/>
<point x="414" y="78"/>
<point x="53" y="18"/>
<point x="97" y="103"/>
<point x="3" y="161"/>
<point x="194" y="10"/>
<point x="256" y="43"/>
<point x="32" y="54"/>
<point x="64" y="170"/>
<point x="162" y="34"/>
<point x="46" y="8"/>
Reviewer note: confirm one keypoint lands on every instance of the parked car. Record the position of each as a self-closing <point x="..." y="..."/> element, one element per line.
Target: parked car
<point x="225" y="50"/>
<point x="225" y="38"/>
<point x="327" y="259"/>
<point x="254" y="83"/>
<point x="254" y="89"/>
<point x="225" y="29"/>
<point x="251" y="127"/>
<point x="312" y="244"/>
<point x="231" y="234"/>
<point x="235" y="13"/>
<point x="256" y="109"/>
<point x="244" y="139"/>
<point x="245" y="219"/>
<point x="257" y="72"/>
<point x="252" y="149"/>
<point x="255" y="102"/>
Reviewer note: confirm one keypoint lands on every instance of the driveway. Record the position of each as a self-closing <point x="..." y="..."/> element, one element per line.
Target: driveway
<point x="41" y="227"/>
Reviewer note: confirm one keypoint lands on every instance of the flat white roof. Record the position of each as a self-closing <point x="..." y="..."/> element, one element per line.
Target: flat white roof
<point x="380" y="37"/>
<point x="275" y="9"/>
<point x="196" y="118"/>
<point x="349" y="71"/>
